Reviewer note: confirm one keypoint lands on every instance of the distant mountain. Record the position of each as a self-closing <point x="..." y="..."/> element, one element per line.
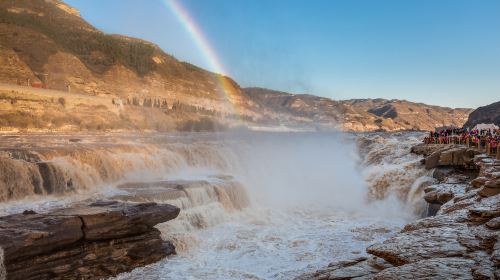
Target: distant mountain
<point x="485" y="114"/>
<point x="127" y="83"/>
<point x="358" y="114"/>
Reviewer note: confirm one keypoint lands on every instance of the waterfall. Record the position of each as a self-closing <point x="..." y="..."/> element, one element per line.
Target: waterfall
<point x="277" y="168"/>
<point x="203" y="203"/>
<point x="390" y="168"/>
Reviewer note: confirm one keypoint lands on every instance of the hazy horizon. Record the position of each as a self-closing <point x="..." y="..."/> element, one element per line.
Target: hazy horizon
<point x="435" y="52"/>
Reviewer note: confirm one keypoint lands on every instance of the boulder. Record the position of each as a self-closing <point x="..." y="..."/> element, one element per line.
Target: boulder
<point x="105" y="220"/>
<point x="494" y="223"/>
<point x="432" y="161"/>
<point x="478" y="182"/>
<point x="487" y="191"/>
<point x="436" y="268"/>
<point x="495" y="255"/>
<point x="358" y="268"/>
<point x="24" y="236"/>
<point x="442" y="173"/>
<point x="442" y="193"/>
<point x="86" y="241"/>
<point x="425" y="243"/>
<point x="485" y="210"/>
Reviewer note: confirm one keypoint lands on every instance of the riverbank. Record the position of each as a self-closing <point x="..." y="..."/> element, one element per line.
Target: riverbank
<point x="459" y="241"/>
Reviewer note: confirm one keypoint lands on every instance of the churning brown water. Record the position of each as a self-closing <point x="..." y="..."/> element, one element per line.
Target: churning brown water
<point x="254" y="205"/>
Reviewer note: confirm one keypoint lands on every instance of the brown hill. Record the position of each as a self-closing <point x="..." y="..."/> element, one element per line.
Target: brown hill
<point x="102" y="81"/>
<point x="359" y="114"/>
<point x="46" y="43"/>
<point x="485" y="114"/>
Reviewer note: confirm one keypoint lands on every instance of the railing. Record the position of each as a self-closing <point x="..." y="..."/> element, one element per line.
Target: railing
<point x="479" y="143"/>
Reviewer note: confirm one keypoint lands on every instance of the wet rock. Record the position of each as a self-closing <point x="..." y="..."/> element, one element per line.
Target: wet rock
<point x="2" y="267"/>
<point x="24" y="236"/>
<point x="105" y="220"/>
<point x="436" y="268"/>
<point x="452" y="206"/>
<point x="495" y="255"/>
<point x="487" y="191"/>
<point x="484" y="268"/>
<point x="446" y="155"/>
<point x="426" y="243"/>
<point x="432" y="161"/>
<point x="479" y="182"/>
<point x="442" y="193"/>
<point x="488" y="208"/>
<point x="378" y="263"/>
<point x="432" y="209"/>
<point x="459" y="216"/>
<point x="360" y="269"/>
<point x="426" y="149"/>
<point x="442" y="173"/>
<point x="88" y="241"/>
<point x="490" y="188"/>
<point x="494" y="223"/>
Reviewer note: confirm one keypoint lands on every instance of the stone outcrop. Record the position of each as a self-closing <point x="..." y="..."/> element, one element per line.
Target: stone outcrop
<point x="446" y="155"/>
<point x="86" y="241"/>
<point x="461" y="241"/>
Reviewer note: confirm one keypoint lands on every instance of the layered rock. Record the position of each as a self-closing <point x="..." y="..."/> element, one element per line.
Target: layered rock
<point x="86" y="241"/>
<point x="446" y="155"/>
<point x="460" y="242"/>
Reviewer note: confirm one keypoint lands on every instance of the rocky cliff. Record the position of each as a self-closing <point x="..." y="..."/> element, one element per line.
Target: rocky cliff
<point x="91" y="241"/>
<point x="485" y="114"/>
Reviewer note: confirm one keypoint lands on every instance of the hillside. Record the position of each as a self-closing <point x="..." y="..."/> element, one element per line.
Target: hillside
<point x="485" y="114"/>
<point x="359" y="114"/>
<point x="47" y="44"/>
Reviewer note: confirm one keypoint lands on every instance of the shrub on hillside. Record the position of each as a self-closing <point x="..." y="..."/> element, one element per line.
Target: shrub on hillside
<point x="202" y="124"/>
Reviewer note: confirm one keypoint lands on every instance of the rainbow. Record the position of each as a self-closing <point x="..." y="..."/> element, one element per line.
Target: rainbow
<point x="227" y="88"/>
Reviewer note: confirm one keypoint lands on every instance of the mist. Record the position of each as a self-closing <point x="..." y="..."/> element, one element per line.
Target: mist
<point x="308" y="171"/>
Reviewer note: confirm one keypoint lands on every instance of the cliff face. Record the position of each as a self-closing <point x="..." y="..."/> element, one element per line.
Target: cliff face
<point x="359" y="114"/>
<point x="485" y="114"/>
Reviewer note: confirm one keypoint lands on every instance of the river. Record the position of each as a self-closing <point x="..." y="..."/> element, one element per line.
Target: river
<point x="254" y="205"/>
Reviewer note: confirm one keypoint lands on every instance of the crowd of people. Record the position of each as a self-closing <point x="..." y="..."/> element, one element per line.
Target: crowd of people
<point x="476" y="137"/>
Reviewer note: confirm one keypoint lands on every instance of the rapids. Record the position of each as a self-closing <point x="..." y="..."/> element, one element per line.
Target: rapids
<point x="253" y="205"/>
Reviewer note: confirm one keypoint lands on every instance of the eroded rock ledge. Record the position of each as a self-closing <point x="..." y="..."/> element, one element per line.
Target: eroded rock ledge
<point x="461" y="241"/>
<point x="84" y="242"/>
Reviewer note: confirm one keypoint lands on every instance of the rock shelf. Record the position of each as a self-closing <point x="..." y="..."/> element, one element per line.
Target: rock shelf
<point x="88" y="241"/>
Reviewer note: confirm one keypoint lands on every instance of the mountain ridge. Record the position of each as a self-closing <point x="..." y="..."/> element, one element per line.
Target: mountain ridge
<point x="361" y="114"/>
<point x="46" y="43"/>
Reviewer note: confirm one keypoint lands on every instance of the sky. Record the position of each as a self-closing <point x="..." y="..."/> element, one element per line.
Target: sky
<point x="442" y="52"/>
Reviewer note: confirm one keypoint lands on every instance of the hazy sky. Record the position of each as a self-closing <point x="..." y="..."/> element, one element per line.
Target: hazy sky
<point x="432" y="51"/>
